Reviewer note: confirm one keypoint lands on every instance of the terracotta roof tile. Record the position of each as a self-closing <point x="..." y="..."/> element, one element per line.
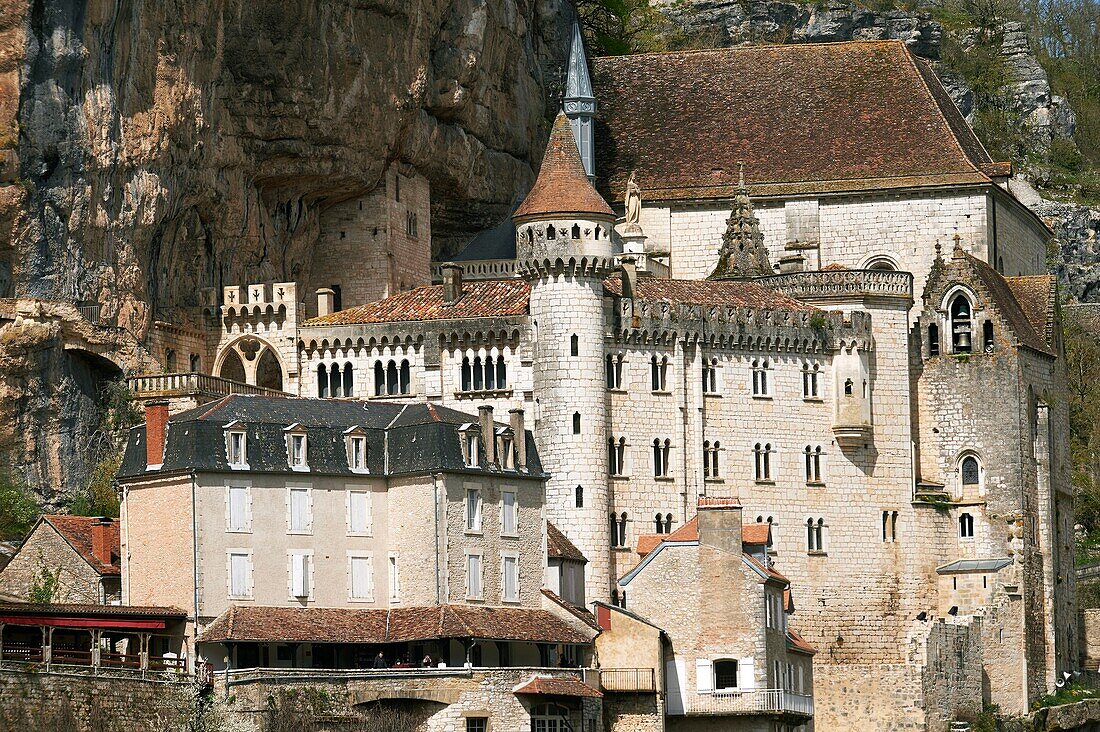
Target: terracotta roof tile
<point x="576" y="611"/>
<point x="77" y="530"/>
<point x="480" y="299"/>
<point x="687" y="532"/>
<point x="1038" y="298"/>
<point x="83" y="609"/>
<point x="804" y="118"/>
<point x="648" y="542"/>
<point x="1004" y="298"/>
<point x="559" y="546"/>
<point x="797" y="642"/>
<point x="551" y="686"/>
<point x="756" y="533"/>
<point x="397" y="625"/>
<point x="739" y="293"/>
<point x="562" y="186"/>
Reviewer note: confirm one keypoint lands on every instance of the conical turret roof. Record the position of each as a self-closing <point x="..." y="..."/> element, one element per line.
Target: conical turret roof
<point x="562" y="186"/>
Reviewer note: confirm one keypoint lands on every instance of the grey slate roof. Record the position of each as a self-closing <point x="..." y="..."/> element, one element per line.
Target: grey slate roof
<point x="416" y="437"/>
<point x="499" y="242"/>
<point x="960" y="566"/>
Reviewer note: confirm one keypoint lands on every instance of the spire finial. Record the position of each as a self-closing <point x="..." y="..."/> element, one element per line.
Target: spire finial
<point x="957" y="253"/>
<point x="741" y="173"/>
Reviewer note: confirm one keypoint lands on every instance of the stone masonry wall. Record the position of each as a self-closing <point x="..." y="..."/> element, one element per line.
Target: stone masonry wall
<point x="46" y="549"/>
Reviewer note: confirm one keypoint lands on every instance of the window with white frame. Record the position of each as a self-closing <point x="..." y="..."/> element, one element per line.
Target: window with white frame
<point x="473" y="576"/>
<point x="811" y="380"/>
<point x="473" y="509"/>
<point x="299" y="510"/>
<point x="710" y="375"/>
<point x="506" y="450"/>
<point x="658" y="373"/>
<point x="966" y="526"/>
<point x="661" y="451"/>
<point x="812" y="455"/>
<point x="509" y="567"/>
<point x="394" y="577"/>
<point x="360" y="518"/>
<point x="240" y="574"/>
<point x="509" y="513"/>
<point x="614" y="368"/>
<point x="297" y="448"/>
<point x="477" y="724"/>
<point x="761" y="383"/>
<point x="710" y="459"/>
<point x="357" y="453"/>
<point x="725" y="674"/>
<point x="616" y="456"/>
<point x="815" y="535"/>
<point x="301" y="574"/>
<point x="236" y="449"/>
<point x="361" y="577"/>
<point x="762" y="462"/>
<point x="238" y="508"/>
<point x="470" y="446"/>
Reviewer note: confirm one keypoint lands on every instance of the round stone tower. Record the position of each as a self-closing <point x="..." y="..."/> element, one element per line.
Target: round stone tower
<point x="564" y="250"/>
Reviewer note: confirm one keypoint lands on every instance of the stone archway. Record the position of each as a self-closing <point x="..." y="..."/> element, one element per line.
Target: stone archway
<point x="269" y="373"/>
<point x="232" y="368"/>
<point x="251" y="360"/>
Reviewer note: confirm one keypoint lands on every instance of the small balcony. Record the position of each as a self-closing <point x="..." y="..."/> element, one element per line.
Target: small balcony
<point x="758" y="701"/>
<point x="636" y="680"/>
<point x="192" y="384"/>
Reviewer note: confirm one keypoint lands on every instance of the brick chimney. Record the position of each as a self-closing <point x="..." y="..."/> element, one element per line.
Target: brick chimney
<point x="452" y="283"/>
<point x="156" y="429"/>
<point x="720" y="524"/>
<point x="519" y="432"/>
<point x="326" y="299"/>
<point x="488" y="432"/>
<point x="101" y="539"/>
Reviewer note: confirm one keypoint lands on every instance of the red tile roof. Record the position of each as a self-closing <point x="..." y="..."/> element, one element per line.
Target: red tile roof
<point x="1005" y="299"/>
<point x="562" y="186"/>
<point x="558" y="545"/>
<point x="798" y="643"/>
<point x="738" y="293"/>
<point x="1038" y="298"/>
<point x="398" y="625"/>
<point x="551" y="686"/>
<point x="77" y="530"/>
<point x="480" y="299"/>
<point x="804" y="118"/>
<point x="87" y="610"/>
<point x="687" y="532"/>
<point x="760" y="533"/>
<point x="648" y="542"/>
<point x="580" y="613"/>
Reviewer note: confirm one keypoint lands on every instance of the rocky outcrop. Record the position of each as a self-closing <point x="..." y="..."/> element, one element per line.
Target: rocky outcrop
<point x="152" y="148"/>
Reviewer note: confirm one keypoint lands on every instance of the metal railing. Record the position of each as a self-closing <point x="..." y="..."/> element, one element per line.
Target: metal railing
<point x="90" y="312"/>
<point x="192" y="384"/>
<point x="627" y="679"/>
<point x="758" y="701"/>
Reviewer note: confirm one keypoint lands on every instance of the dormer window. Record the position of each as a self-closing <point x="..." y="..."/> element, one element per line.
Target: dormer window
<point x="297" y="448"/>
<point x="506" y="449"/>
<point x="356" y="444"/>
<point x="471" y="439"/>
<point x="236" y="446"/>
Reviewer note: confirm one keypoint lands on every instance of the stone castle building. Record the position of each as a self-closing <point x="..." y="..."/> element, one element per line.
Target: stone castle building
<point x="865" y="353"/>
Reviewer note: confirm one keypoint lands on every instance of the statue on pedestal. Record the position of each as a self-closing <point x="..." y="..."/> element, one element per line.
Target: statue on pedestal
<point x="632" y="201"/>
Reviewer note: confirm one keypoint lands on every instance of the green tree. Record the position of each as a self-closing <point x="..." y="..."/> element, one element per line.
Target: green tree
<point x="18" y="507"/>
<point x="43" y="588"/>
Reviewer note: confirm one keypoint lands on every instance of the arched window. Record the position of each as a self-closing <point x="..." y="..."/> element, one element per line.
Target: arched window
<point x="322" y="381"/>
<point x="169" y="361"/>
<point x="551" y="233"/>
<point x="710" y="458"/>
<point x="622" y="529"/>
<point x="574" y="345"/>
<point x="760" y="386"/>
<point x="391" y="378"/>
<point x="479" y="374"/>
<point x="987" y="336"/>
<point x="530" y="236"/>
<point x="502" y="373"/>
<point x="658" y="368"/>
<point x="660" y="458"/>
<point x="659" y="522"/>
<point x="725" y="675"/>
<point x="881" y="263"/>
<point x="335" y="381"/>
<point x="813" y="464"/>
<point x="403" y="383"/>
<point x="576" y="231"/>
<point x="811" y="373"/>
<point x="576" y="423"/>
<point x="616" y="456"/>
<point x="933" y="340"/>
<point x="710" y="376"/>
<point x="815" y="535"/>
<point x="490" y="373"/>
<point x="580" y="496"/>
<point x="961" y="325"/>
<point x="613" y="520"/>
<point x="849" y="387"/>
<point x="379" y="379"/>
<point x="598" y="233"/>
<point x="966" y="526"/>
<point x="614" y="368"/>
<point x="970" y="472"/>
<point x="349" y="380"/>
<point x="196" y="363"/>
<point x="232" y="367"/>
<point x="762" y="461"/>
<point x="467" y="375"/>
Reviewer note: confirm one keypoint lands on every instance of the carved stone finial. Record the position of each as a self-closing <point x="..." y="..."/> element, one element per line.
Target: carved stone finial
<point x="740" y="174"/>
<point x="743" y="253"/>
<point x="939" y="250"/>
<point x="957" y="253"/>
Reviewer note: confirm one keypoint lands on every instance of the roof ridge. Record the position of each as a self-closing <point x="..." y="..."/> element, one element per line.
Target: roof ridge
<point x="925" y="84"/>
<point x="755" y="47"/>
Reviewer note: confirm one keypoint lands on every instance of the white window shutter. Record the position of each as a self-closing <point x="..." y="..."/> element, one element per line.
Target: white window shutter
<point x="360" y="512"/>
<point x="746" y="674"/>
<point x="704" y="675"/>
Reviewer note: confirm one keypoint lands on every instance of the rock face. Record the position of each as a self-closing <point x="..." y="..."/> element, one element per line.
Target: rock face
<point x="152" y="148"/>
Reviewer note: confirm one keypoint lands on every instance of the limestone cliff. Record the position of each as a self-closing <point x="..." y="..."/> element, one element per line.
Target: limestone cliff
<point x="152" y="148"/>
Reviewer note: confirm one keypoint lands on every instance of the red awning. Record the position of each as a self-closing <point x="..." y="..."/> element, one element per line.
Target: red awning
<point x="64" y="622"/>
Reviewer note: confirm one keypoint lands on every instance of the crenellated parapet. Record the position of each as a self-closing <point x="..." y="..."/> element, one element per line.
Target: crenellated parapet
<point x="842" y="283"/>
<point x="742" y="328"/>
<point x="596" y="267"/>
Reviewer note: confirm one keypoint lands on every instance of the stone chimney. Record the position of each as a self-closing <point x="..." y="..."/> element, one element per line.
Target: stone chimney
<point x="488" y="433"/>
<point x="452" y="283"/>
<point x="720" y="524"/>
<point x="156" y="430"/>
<point x="519" y="430"/>
<point x="326" y="299"/>
<point x="101" y="539"/>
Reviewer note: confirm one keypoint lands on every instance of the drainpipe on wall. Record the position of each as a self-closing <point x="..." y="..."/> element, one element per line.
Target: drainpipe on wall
<point x="441" y="543"/>
<point x="195" y="567"/>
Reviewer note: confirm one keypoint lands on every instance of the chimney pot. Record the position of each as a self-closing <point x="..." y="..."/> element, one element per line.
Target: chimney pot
<point x="101" y="539"/>
<point x="488" y="433"/>
<point x="452" y="283"/>
<point x="519" y="435"/>
<point x="156" y="431"/>
<point x="326" y="298"/>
